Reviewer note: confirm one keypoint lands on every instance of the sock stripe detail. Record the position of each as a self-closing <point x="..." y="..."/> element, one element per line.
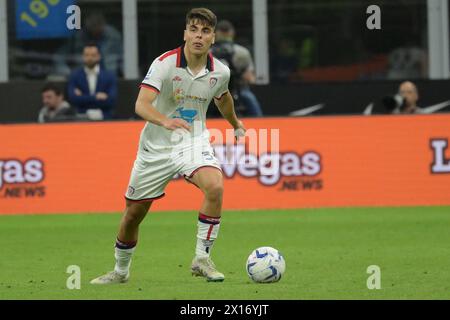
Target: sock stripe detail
<point x="211" y="227"/>
<point x="209" y="220"/>
<point x="125" y="245"/>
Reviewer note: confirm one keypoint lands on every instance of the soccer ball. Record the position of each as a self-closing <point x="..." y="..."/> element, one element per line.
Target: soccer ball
<point x="265" y="265"/>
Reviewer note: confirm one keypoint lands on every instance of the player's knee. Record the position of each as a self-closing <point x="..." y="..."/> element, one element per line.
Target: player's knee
<point x="131" y="218"/>
<point x="214" y="191"/>
<point x="134" y="213"/>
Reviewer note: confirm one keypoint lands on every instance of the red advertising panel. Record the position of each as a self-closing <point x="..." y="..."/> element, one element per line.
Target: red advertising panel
<point x="321" y="162"/>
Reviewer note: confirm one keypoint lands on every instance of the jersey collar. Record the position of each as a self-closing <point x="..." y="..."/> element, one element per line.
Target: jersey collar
<point x="182" y="62"/>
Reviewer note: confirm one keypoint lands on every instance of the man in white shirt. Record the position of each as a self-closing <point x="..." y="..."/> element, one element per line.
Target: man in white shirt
<point x="173" y="99"/>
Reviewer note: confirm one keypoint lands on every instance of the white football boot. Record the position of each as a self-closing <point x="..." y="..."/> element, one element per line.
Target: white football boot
<point x="111" y="278"/>
<point x="204" y="267"/>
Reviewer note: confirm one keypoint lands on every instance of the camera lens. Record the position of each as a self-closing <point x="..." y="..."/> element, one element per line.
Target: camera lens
<point x="393" y="102"/>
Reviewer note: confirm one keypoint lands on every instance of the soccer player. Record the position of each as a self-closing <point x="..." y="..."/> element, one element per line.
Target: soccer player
<point x="175" y="96"/>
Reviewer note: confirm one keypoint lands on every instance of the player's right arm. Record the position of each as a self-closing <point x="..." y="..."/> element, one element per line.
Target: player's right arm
<point x="145" y="109"/>
<point x="150" y="88"/>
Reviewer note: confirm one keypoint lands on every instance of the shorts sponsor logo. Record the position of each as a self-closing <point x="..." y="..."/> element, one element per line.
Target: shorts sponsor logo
<point x="130" y="191"/>
<point x="207" y="156"/>
<point x="19" y="179"/>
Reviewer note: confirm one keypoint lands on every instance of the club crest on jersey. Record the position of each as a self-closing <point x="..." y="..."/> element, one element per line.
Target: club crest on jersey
<point x="177" y="79"/>
<point x="212" y="82"/>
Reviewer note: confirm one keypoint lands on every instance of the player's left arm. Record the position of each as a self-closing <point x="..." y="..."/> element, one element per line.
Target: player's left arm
<point x="225" y="104"/>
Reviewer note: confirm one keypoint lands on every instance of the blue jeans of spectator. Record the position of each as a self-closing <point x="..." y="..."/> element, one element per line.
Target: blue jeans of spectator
<point x="252" y="106"/>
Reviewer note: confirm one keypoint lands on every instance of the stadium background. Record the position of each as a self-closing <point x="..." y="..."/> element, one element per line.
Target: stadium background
<point x="316" y="54"/>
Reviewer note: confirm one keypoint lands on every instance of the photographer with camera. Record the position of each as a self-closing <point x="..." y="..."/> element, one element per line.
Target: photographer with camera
<point x="240" y="62"/>
<point x="405" y="101"/>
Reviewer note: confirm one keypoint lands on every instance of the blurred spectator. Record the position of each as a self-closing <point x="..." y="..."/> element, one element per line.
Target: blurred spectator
<point x="285" y="62"/>
<point x="91" y="88"/>
<point x="55" y="108"/>
<point x="96" y="31"/>
<point x="408" y="91"/>
<point x="407" y="63"/>
<point x="240" y="62"/>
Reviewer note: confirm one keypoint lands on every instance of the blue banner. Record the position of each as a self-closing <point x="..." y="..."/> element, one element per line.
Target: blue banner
<point x="41" y="19"/>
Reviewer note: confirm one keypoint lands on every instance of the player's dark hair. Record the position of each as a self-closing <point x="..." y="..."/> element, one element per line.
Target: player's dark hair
<point x="52" y="87"/>
<point x="203" y="15"/>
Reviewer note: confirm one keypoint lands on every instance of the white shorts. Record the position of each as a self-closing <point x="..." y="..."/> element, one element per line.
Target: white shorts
<point x="153" y="171"/>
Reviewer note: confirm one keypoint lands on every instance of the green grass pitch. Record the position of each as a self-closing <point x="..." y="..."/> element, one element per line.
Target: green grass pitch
<point x="327" y="253"/>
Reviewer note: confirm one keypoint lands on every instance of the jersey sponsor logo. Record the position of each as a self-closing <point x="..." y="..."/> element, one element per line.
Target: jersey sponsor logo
<point x="186" y="114"/>
<point x="177" y="79"/>
<point x="180" y="97"/>
<point x="196" y="99"/>
<point x="21" y="178"/>
<point x="212" y="82"/>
